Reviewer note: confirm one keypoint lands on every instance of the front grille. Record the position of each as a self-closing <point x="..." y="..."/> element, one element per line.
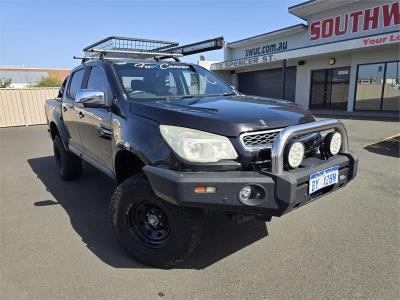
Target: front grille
<point x="259" y="139"/>
<point x="264" y="139"/>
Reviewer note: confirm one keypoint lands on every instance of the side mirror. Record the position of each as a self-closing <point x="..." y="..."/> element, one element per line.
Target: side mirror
<point x="90" y="98"/>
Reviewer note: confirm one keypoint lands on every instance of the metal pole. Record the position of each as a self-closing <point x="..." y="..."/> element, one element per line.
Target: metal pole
<point x="283" y="78"/>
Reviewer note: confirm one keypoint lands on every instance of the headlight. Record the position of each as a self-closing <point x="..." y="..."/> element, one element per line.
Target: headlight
<point x="197" y="146"/>
<point x="295" y="154"/>
<point x="332" y="143"/>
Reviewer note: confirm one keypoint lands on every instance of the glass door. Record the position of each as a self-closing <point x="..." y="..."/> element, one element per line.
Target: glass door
<point x="340" y="88"/>
<point x="330" y="88"/>
<point x="319" y="88"/>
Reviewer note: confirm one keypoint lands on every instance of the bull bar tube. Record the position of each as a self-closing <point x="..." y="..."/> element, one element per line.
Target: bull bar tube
<point x="286" y="134"/>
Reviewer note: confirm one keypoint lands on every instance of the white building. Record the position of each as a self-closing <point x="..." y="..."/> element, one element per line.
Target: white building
<point x="345" y="58"/>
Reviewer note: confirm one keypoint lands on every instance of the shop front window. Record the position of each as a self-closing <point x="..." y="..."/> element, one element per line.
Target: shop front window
<point x="378" y="87"/>
<point x="391" y="91"/>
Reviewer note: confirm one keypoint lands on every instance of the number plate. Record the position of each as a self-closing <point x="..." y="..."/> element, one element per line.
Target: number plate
<point x="323" y="178"/>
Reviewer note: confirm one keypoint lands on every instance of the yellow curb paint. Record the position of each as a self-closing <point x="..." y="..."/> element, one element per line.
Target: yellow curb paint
<point x="385" y="139"/>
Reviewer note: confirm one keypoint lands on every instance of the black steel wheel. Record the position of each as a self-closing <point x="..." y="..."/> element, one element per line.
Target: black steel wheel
<point x="149" y="223"/>
<point x="150" y="229"/>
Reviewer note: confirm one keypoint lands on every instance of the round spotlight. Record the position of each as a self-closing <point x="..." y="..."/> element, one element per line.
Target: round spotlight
<point x="245" y="193"/>
<point x="336" y="143"/>
<point x="295" y="154"/>
<point x="332" y="143"/>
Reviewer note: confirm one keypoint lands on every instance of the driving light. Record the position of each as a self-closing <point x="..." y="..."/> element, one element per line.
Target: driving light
<point x="295" y="154"/>
<point x="332" y="144"/>
<point x="197" y="146"/>
<point x="335" y="143"/>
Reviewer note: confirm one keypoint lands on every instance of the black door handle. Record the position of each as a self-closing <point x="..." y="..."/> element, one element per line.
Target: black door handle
<point x="81" y="115"/>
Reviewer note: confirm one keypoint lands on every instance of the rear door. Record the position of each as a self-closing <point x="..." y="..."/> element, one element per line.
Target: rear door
<point x="95" y="122"/>
<point x="69" y="109"/>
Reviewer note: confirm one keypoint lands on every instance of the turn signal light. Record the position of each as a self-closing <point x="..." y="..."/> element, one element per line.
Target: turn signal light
<point x="205" y="189"/>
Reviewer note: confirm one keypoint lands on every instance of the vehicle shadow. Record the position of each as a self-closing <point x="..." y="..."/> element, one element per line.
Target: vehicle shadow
<point x="387" y="147"/>
<point x="86" y="203"/>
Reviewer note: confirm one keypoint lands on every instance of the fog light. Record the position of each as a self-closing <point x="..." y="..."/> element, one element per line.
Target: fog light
<point x="245" y="193"/>
<point x="295" y="154"/>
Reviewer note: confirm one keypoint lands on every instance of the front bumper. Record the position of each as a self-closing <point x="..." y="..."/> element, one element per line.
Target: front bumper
<point x="283" y="192"/>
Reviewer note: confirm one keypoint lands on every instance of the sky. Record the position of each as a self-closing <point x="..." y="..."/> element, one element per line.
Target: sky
<point x="47" y="34"/>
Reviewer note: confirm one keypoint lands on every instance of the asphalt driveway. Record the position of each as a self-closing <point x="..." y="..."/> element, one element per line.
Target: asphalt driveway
<point x="56" y="240"/>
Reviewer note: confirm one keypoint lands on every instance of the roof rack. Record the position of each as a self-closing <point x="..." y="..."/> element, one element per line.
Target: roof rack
<point x="115" y="47"/>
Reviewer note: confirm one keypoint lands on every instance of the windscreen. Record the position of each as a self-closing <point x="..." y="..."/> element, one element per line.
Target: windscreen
<point x="168" y="80"/>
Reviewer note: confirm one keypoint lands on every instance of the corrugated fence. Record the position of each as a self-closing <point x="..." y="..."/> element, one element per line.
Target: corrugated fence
<point x="20" y="107"/>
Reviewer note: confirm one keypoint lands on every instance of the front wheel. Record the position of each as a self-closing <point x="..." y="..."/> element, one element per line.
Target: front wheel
<point x="152" y="230"/>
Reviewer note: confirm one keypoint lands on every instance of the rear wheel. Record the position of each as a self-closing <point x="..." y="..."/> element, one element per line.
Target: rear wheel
<point x="69" y="165"/>
<point x="152" y="230"/>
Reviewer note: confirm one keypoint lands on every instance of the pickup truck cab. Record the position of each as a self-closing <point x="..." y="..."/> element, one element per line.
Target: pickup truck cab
<point x="179" y="142"/>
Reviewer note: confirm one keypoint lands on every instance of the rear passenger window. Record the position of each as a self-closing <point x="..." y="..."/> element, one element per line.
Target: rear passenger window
<point x="76" y="83"/>
<point x="98" y="80"/>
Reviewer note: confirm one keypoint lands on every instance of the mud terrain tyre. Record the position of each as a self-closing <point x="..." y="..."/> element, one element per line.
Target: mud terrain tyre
<point x="69" y="165"/>
<point x="151" y="230"/>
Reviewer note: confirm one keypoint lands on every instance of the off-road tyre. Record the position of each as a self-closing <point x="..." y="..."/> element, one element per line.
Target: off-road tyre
<point x="182" y="235"/>
<point x="69" y="166"/>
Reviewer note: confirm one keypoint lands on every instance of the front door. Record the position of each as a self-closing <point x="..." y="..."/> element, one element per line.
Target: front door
<point x="95" y="122"/>
<point x="330" y="88"/>
<point x="69" y="112"/>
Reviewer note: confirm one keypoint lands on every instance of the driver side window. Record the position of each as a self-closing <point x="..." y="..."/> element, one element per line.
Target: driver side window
<point x="76" y="83"/>
<point x="98" y="81"/>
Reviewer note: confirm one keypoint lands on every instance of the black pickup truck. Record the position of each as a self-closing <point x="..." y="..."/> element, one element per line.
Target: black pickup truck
<point x="179" y="142"/>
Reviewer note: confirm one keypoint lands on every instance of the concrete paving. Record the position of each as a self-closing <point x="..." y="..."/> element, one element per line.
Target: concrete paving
<point x="56" y="240"/>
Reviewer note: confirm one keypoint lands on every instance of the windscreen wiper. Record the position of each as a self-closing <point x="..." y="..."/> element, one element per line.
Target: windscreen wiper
<point x="179" y="97"/>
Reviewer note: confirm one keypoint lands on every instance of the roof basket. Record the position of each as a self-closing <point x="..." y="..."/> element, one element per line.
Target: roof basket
<point x="130" y="47"/>
<point x="115" y="47"/>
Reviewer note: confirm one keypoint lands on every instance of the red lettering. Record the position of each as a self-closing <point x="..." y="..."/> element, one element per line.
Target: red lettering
<point x="337" y="25"/>
<point x="315" y="30"/>
<point x="361" y="20"/>
<point x="392" y="15"/>
<point x="327" y="28"/>
<point x="394" y="38"/>
<point x="371" y="21"/>
<point x="355" y="16"/>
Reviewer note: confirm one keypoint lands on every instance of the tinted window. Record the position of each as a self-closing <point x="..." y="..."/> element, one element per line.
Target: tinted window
<point x="76" y="83"/>
<point x="378" y="87"/>
<point x="369" y="86"/>
<point x="161" y="80"/>
<point x="97" y="80"/>
<point x="391" y="92"/>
